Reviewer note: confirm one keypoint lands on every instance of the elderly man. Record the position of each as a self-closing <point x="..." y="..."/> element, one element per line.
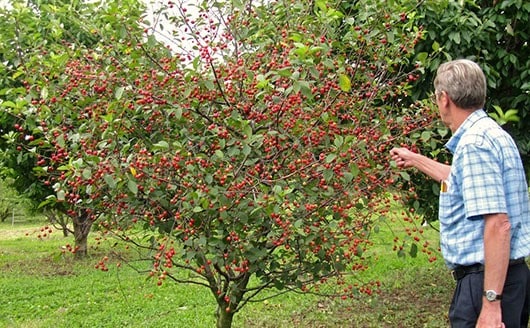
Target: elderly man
<point x="484" y="206"/>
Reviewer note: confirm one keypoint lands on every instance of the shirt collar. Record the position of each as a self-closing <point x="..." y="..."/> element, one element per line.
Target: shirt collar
<point x="468" y="122"/>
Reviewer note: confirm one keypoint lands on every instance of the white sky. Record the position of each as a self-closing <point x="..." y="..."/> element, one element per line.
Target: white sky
<point x="164" y="30"/>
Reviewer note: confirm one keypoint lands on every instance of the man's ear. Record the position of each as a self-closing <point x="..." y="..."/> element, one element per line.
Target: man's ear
<point x="444" y="99"/>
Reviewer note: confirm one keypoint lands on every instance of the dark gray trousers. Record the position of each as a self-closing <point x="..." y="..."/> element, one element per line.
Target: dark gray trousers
<point x="467" y="299"/>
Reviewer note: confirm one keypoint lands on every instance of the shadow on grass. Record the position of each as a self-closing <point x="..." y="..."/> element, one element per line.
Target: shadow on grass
<point x="411" y="297"/>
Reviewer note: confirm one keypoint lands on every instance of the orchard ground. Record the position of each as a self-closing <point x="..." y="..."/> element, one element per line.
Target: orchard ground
<point x="40" y="286"/>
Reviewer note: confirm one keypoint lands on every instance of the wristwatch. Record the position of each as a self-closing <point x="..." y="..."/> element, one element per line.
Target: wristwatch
<point x="492" y="295"/>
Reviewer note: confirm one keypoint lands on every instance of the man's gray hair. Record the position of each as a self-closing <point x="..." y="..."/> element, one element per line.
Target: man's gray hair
<point x="464" y="82"/>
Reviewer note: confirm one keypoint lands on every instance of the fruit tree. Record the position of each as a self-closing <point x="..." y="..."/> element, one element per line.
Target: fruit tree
<point x="38" y="37"/>
<point x="256" y="159"/>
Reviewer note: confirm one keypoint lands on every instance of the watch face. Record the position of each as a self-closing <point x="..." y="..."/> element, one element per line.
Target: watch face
<point x="491" y="295"/>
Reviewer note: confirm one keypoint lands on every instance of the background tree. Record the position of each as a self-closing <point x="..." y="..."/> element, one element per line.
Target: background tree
<point x="38" y="38"/>
<point x="494" y="34"/>
<point x="11" y="204"/>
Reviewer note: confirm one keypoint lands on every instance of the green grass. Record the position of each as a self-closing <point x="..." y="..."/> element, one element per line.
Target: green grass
<point x="41" y="287"/>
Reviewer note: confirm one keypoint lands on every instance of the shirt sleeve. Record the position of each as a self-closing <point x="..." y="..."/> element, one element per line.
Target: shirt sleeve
<point x="482" y="183"/>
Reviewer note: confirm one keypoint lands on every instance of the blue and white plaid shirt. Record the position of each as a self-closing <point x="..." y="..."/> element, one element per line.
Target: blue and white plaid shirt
<point x="487" y="177"/>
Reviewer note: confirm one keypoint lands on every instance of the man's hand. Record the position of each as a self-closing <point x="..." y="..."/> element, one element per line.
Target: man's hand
<point x="490" y="316"/>
<point x="403" y="157"/>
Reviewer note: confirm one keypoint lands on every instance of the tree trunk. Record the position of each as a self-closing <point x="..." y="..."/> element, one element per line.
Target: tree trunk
<point x="59" y="220"/>
<point x="82" y="224"/>
<point x="65" y="231"/>
<point x="227" y="309"/>
<point x="4" y="214"/>
<point x="224" y="318"/>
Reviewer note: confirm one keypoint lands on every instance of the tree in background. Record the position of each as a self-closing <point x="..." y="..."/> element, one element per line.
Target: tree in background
<point x="256" y="161"/>
<point x="494" y="34"/>
<point x="12" y="205"/>
<point x="38" y="38"/>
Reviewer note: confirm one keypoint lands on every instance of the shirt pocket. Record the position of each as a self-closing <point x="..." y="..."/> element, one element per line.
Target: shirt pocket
<point x="449" y="206"/>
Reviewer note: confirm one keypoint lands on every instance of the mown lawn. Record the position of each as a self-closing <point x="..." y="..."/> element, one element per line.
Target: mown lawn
<point x="42" y="287"/>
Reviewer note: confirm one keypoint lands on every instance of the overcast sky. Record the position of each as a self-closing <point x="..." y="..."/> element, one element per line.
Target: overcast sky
<point x="163" y="29"/>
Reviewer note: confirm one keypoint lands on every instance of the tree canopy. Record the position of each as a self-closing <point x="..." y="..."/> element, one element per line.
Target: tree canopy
<point x="45" y="35"/>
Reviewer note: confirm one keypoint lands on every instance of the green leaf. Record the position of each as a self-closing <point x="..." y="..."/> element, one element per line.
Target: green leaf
<point x="298" y="223"/>
<point x="512" y="115"/>
<point x="219" y="154"/>
<point x="8" y="104"/>
<point x="279" y="285"/>
<point x="455" y="37"/>
<point x="321" y="4"/>
<point x="435" y="188"/>
<point x="151" y="41"/>
<point x="60" y="141"/>
<point x="354" y="169"/>
<point x="301" y="49"/>
<point x="247" y="130"/>
<point x="304" y="88"/>
<point x="344" y="83"/>
<point x="285" y="72"/>
<point x="44" y="93"/>
<point x="108" y="118"/>
<point x="330" y="158"/>
<point x="246" y="150"/>
<point x="161" y="145"/>
<point x="133" y="186"/>
<point x="178" y="113"/>
<point x="443" y="131"/>
<point x="328" y="175"/>
<point x="110" y="181"/>
<point x="277" y="189"/>
<point x="405" y="175"/>
<point x="359" y="251"/>
<point x="348" y="177"/>
<point x="413" y="250"/>
<point x="509" y="29"/>
<point x="262" y="84"/>
<point x="422" y="57"/>
<point x="339" y="141"/>
<point x="316" y="49"/>
<point x="119" y="92"/>
<point x="87" y="173"/>
<point x="209" y="84"/>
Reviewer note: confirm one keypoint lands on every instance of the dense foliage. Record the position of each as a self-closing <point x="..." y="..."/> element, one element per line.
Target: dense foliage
<point x="263" y="155"/>
<point x="44" y="36"/>
<point x="493" y="33"/>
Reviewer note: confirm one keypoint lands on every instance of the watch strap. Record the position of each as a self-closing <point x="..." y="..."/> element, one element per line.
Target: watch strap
<point x="492" y="296"/>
